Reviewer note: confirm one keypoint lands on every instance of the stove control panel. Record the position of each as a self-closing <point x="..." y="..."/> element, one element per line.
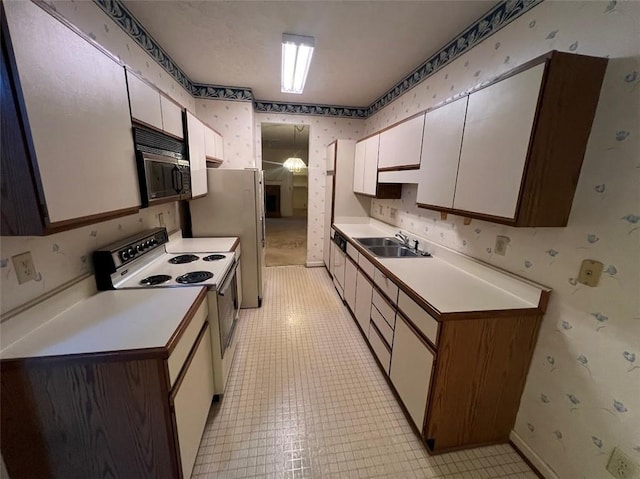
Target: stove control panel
<point x="131" y="250"/>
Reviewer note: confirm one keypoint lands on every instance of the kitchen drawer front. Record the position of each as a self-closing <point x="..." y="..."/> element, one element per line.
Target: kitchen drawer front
<point x="181" y="350"/>
<point x="387" y="286"/>
<point x="379" y="347"/>
<point x="352" y="252"/>
<point x="366" y="266"/>
<point x="192" y="401"/>
<point x="426" y="323"/>
<point x="387" y="311"/>
<point x="382" y="325"/>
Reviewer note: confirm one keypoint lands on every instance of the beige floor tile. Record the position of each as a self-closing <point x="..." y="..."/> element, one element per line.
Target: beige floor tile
<point x="306" y="399"/>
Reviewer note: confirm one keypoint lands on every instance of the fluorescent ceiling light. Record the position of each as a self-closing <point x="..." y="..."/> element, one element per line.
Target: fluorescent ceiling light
<point x="294" y="165"/>
<point x="297" y="51"/>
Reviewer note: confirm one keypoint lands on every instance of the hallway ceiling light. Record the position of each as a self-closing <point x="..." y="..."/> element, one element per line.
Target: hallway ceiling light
<point x="297" y="51"/>
<point x="294" y="165"/>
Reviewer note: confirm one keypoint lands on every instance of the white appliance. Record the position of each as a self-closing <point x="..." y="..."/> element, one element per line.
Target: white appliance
<point x="234" y="206"/>
<point x="341" y="204"/>
<point x="141" y="261"/>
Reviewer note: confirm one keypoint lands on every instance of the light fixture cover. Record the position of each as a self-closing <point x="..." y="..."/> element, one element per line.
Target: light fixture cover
<point x="294" y="164"/>
<point x="297" y="51"/>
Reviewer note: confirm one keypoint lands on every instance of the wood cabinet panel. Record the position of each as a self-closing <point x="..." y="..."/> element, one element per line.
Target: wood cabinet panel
<point x="441" y="154"/>
<point x="400" y="145"/>
<point x="497" y="133"/>
<point x="74" y="96"/>
<point x="481" y="371"/>
<point x="171" y="117"/>
<point x="410" y="373"/>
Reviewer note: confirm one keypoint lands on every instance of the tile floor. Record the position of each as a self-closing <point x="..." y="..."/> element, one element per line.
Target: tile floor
<point x="306" y="399"/>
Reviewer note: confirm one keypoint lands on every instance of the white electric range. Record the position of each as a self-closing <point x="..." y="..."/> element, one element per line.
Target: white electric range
<point x="141" y="261"/>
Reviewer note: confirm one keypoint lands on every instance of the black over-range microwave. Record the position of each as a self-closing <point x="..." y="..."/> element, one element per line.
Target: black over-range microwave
<point x="163" y="170"/>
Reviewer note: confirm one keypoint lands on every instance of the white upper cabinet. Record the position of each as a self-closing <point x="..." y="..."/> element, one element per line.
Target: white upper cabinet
<point x="497" y="131"/>
<point x="400" y="145"/>
<point x="370" y="173"/>
<point x="331" y="156"/>
<point x="440" y="154"/>
<point x="145" y="102"/>
<point x="77" y="110"/>
<point x="197" y="156"/>
<point x="171" y="117"/>
<point x="358" y="167"/>
<point x="213" y="144"/>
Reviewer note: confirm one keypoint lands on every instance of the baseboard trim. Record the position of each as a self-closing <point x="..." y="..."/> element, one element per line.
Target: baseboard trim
<point x="314" y="264"/>
<point x="541" y="468"/>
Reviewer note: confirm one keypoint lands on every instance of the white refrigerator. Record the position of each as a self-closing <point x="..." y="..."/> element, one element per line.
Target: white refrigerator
<point x="234" y="206"/>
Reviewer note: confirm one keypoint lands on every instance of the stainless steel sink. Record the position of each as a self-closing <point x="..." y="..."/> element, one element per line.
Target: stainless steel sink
<point x="392" y="251"/>
<point x="378" y="241"/>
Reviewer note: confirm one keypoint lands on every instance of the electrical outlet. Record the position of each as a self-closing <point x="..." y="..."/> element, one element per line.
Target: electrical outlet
<point x="25" y="269"/>
<point x="590" y="272"/>
<point x="161" y="219"/>
<point x="501" y="245"/>
<point x="621" y="466"/>
<point x="393" y="212"/>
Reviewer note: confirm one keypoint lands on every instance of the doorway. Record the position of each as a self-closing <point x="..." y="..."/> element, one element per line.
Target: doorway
<point x="285" y="157"/>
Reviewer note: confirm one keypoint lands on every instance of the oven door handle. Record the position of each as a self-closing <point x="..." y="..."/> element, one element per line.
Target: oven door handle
<point x="228" y="278"/>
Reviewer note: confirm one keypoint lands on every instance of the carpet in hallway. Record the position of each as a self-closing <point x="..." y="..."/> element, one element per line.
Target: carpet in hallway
<point x="286" y="241"/>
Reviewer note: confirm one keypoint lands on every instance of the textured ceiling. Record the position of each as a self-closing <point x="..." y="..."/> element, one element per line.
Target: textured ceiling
<point x="363" y="48"/>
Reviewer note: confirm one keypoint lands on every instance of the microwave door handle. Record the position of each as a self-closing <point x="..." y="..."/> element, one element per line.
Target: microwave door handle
<point x="180" y="181"/>
<point x="175" y="178"/>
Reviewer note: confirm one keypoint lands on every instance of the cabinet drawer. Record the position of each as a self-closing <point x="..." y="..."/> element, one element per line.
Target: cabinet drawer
<point x="181" y="350"/>
<point x="366" y="266"/>
<point x="387" y="311"/>
<point x="352" y="252"/>
<point x="426" y="323"/>
<point x="383" y="327"/>
<point x="387" y="286"/>
<point x="379" y="347"/>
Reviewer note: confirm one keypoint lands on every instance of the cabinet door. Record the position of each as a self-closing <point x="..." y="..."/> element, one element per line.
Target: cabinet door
<point x="219" y="141"/>
<point x="171" y="117"/>
<point x="209" y="142"/>
<point x="410" y="372"/>
<point x="193" y="400"/>
<point x="331" y="156"/>
<point x="362" y="311"/>
<point x="350" y="275"/>
<point x="332" y="254"/>
<point x="339" y="261"/>
<point x="441" y="154"/>
<point x="358" y="167"/>
<point x="370" y="176"/>
<point x="144" y="101"/>
<point x="495" y="144"/>
<point x="197" y="159"/>
<point x="78" y="112"/>
<point x="400" y="146"/>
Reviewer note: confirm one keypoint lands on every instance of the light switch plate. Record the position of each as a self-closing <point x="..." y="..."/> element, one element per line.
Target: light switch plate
<point x="25" y="269"/>
<point x="590" y="272"/>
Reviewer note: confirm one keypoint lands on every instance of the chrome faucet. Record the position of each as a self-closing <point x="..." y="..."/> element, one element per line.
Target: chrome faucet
<point x="403" y="237"/>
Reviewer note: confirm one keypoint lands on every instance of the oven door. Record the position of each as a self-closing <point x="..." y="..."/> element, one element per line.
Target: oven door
<point x="228" y="308"/>
<point x="163" y="177"/>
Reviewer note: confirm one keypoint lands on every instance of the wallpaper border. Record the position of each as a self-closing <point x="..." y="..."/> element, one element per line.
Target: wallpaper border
<point x="498" y="17"/>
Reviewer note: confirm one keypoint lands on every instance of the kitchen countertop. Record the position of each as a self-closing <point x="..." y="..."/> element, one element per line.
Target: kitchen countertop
<point x="110" y="321"/>
<point x="450" y="282"/>
<point x="202" y="245"/>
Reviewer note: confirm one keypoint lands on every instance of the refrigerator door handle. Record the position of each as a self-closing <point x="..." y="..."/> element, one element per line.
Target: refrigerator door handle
<point x="264" y="234"/>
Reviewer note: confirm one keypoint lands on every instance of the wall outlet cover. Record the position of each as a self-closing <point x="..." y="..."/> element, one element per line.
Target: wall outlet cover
<point x="25" y="269"/>
<point x="501" y="245"/>
<point x="393" y="212"/>
<point x="621" y="466"/>
<point x="161" y="219"/>
<point x="590" y="272"/>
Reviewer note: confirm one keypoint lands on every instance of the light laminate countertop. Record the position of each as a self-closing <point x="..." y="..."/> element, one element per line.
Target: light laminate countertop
<point x="203" y="245"/>
<point x="109" y="321"/>
<point x="450" y="282"/>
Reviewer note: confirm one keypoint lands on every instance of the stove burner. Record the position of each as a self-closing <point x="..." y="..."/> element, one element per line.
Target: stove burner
<point x="156" y="279"/>
<point x="213" y="257"/>
<point x="184" y="258"/>
<point x="194" y="277"/>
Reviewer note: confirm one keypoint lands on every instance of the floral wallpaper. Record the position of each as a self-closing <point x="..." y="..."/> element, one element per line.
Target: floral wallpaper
<point x="582" y="396"/>
<point x="322" y="132"/>
<point x="234" y="121"/>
